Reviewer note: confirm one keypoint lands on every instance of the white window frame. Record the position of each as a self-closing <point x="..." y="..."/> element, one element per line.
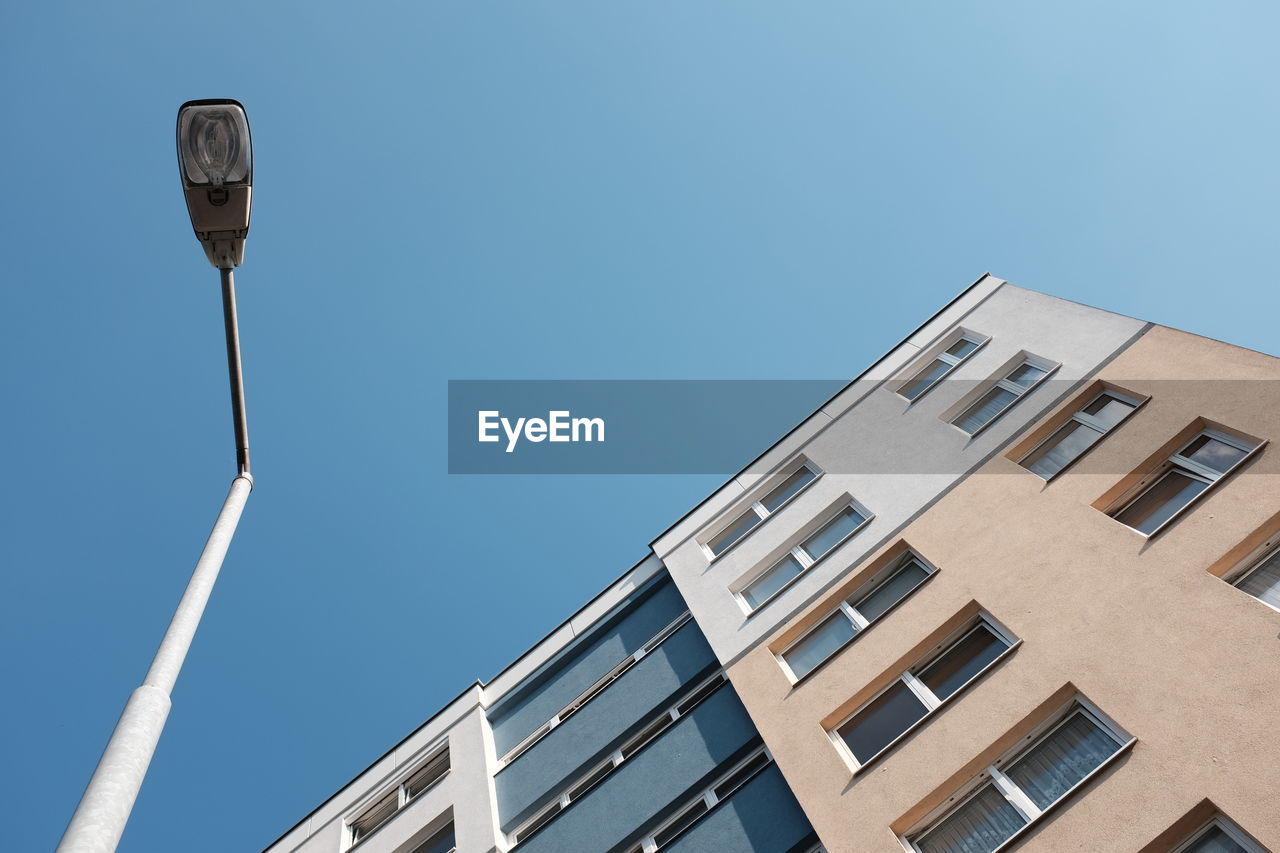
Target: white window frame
<point x="1233" y="832"/>
<point x="921" y="691"/>
<point x="438" y="750"/>
<point x="1087" y="420"/>
<point x="1177" y="463"/>
<point x="756" y="505"/>
<point x="849" y="608"/>
<point x="1003" y="383"/>
<point x="801" y="556"/>
<point x="1251" y="564"/>
<point x="994" y="775"/>
<point x="953" y="361"/>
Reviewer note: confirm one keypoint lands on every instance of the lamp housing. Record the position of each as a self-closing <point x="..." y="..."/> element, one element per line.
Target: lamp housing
<point x="215" y="162"/>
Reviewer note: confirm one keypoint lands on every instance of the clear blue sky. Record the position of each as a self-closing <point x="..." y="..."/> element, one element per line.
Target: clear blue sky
<point x="512" y="190"/>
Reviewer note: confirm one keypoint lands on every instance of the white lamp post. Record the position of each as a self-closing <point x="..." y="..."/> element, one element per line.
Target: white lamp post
<point x="216" y="163"/>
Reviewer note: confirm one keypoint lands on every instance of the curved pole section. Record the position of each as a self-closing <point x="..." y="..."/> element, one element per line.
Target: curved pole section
<point x="100" y="818"/>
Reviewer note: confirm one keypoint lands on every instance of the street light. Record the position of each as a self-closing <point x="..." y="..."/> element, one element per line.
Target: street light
<point x="215" y="160"/>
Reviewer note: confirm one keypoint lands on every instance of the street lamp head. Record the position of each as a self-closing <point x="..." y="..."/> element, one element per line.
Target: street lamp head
<point x="215" y="160"/>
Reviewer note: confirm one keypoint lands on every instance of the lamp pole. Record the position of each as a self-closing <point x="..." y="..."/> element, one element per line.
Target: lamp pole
<point x="215" y="160"/>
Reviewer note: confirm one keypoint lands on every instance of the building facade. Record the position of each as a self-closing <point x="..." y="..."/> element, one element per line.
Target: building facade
<point x="1016" y="586"/>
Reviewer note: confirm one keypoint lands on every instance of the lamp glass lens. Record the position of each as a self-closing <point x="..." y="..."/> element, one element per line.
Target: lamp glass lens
<point x="213" y="141"/>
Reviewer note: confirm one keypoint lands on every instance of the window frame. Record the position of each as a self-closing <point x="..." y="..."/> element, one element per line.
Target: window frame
<point x="1220" y="821"/>
<point x="993" y="775"/>
<point x="910" y="678"/>
<point x="1079" y="416"/>
<point x="1177" y="463"/>
<point x="797" y="552"/>
<point x="1250" y="564"/>
<point x="1002" y="382"/>
<point x="756" y="506"/>
<point x="848" y="608"/>
<point x="436" y="752"/>
<point x="926" y="361"/>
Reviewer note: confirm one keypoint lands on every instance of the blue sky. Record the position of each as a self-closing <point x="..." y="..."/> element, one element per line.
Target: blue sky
<point x="462" y="190"/>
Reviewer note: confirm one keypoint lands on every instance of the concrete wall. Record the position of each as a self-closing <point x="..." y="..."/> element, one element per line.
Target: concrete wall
<point x="464" y="795"/>
<point x="894" y="457"/>
<point x="1181" y="660"/>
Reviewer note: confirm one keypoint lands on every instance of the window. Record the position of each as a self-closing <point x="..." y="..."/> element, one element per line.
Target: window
<point x="1001" y="396"/>
<point x="1015" y="791"/>
<point x="692" y="811"/>
<point x="1219" y="836"/>
<point x="385" y="807"/>
<point x="442" y="842"/>
<point x="941" y="364"/>
<point x="920" y="691"/>
<point x="1071" y="440"/>
<point x="1262" y="580"/>
<point x="580" y="786"/>
<point x="846" y="522"/>
<point x="854" y="614"/>
<point x="773" y="500"/>
<point x="1190" y="471"/>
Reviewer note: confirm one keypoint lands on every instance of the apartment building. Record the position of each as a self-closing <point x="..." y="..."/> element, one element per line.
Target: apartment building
<point x="1015" y="586"/>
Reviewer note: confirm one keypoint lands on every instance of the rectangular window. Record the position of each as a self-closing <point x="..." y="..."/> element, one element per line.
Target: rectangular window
<point x="1219" y="836"/>
<point x="1015" y="791"/>
<point x="1263" y="580"/>
<point x="385" y="807"/>
<point x="943" y="363"/>
<point x="921" y="690"/>
<point x="1074" y="438"/>
<point x="1007" y="391"/>
<point x="773" y="500"/>
<point x="846" y="522"/>
<point x="854" y="614"/>
<point x="1191" y="471"/>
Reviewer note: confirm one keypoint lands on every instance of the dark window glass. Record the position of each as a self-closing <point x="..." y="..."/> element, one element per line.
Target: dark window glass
<point x="883" y="719"/>
<point x="958" y="664"/>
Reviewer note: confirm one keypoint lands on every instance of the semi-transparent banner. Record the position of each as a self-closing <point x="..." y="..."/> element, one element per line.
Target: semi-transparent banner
<point x="649" y="426"/>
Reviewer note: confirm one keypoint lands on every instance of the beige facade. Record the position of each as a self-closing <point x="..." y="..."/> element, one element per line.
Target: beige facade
<point x="1142" y="627"/>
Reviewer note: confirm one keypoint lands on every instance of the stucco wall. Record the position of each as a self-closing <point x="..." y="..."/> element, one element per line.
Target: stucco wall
<point x="892" y="456"/>
<point x="1183" y="661"/>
